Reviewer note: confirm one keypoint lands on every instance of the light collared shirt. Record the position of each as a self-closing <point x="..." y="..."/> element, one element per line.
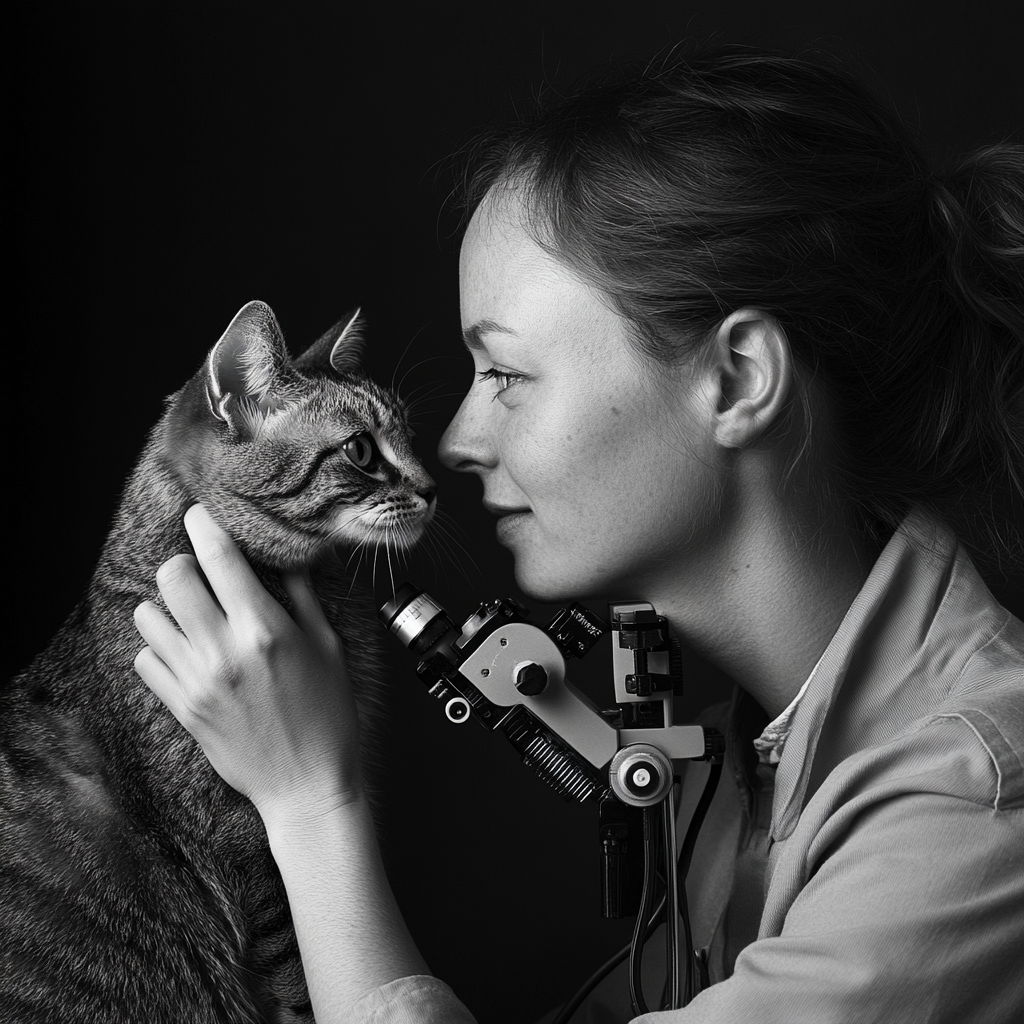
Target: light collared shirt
<point x="875" y="870"/>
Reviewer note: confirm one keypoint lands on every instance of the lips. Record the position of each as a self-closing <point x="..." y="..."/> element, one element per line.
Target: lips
<point x="503" y="510"/>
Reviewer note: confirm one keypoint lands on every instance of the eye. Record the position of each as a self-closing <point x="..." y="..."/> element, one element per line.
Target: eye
<point x="504" y="378"/>
<point x="360" y="450"/>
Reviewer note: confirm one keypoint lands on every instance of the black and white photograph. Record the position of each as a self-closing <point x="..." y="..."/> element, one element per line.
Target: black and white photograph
<point x="516" y="513"/>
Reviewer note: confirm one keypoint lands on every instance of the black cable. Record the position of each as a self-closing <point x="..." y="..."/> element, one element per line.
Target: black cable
<point x="685" y="855"/>
<point x="697" y="819"/>
<point x="636" y="949"/>
<point x="673" y="893"/>
<point x="575" y="1001"/>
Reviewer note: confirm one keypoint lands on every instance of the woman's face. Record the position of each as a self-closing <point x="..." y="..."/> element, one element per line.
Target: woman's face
<point x="598" y="463"/>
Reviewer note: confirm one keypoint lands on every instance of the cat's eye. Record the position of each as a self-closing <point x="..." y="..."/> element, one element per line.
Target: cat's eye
<point x="360" y="450"/>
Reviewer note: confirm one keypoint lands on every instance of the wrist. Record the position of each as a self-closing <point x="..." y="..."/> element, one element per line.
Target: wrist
<point x="350" y="931"/>
<point x="312" y="809"/>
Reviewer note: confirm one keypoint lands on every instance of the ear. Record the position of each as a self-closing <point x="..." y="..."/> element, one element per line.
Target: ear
<point x="754" y="370"/>
<point x="247" y="361"/>
<point x="341" y="348"/>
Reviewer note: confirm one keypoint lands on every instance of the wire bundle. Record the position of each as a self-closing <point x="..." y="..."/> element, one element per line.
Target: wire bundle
<point x="648" y="920"/>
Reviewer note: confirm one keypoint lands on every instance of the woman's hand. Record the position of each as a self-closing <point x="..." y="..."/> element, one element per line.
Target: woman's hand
<point x="265" y="693"/>
<point x="267" y="697"/>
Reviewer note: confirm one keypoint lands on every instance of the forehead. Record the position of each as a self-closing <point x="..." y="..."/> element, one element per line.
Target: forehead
<point x="353" y="401"/>
<point x="498" y="244"/>
<point x="507" y="278"/>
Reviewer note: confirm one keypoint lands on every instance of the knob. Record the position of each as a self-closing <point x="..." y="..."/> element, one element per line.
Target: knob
<point x="531" y="679"/>
<point x="640" y="775"/>
<point x="457" y="710"/>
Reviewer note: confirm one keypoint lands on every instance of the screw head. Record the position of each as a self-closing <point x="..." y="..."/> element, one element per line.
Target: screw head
<point x="531" y="679"/>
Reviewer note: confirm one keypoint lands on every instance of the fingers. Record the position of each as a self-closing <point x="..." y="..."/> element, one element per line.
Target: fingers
<point x="160" y="679"/>
<point x="167" y="648"/>
<point x="231" y="577"/>
<point x="306" y="610"/>
<point x="159" y="632"/>
<point x="194" y="609"/>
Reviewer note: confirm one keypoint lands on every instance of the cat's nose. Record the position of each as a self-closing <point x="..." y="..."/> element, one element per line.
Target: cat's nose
<point x="427" y="493"/>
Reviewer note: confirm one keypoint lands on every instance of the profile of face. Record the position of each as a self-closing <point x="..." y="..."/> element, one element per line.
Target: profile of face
<point x="600" y="464"/>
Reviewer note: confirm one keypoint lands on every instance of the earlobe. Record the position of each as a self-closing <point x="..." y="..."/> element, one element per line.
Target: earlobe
<point x="754" y="365"/>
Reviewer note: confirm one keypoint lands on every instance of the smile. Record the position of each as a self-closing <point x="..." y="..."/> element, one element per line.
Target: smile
<point x="502" y="511"/>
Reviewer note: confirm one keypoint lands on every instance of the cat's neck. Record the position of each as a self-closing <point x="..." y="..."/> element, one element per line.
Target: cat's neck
<point x="147" y="527"/>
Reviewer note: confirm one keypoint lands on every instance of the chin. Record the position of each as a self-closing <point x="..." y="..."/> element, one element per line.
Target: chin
<point x="553" y="584"/>
<point x="551" y="587"/>
<point x="540" y="586"/>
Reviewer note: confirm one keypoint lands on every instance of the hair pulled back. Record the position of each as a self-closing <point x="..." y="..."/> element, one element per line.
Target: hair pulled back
<point x="692" y="188"/>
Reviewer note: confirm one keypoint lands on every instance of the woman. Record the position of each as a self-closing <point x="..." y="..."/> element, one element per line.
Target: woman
<point x="736" y="351"/>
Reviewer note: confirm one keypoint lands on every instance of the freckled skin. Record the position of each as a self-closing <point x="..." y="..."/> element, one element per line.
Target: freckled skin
<point x="603" y="449"/>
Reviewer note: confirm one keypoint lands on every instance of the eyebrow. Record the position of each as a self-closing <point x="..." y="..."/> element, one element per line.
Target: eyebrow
<point x="473" y="336"/>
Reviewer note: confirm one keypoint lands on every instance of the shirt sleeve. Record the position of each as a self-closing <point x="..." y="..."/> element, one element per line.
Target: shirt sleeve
<point x="420" y="999"/>
<point x="914" y="913"/>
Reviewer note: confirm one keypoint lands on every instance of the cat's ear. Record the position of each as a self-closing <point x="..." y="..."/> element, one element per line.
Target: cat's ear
<point x="341" y="348"/>
<point x="247" y="360"/>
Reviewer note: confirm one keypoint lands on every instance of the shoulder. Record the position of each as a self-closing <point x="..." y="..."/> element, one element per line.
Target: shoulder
<point x="976" y="733"/>
<point x="950" y="721"/>
<point x="971" y="753"/>
<point x="955" y="727"/>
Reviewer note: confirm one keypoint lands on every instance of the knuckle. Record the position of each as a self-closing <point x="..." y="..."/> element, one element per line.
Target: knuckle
<point x="263" y="639"/>
<point x="174" y="572"/>
<point x="201" y="703"/>
<point x="221" y="671"/>
<point x="333" y="646"/>
<point x="218" y="552"/>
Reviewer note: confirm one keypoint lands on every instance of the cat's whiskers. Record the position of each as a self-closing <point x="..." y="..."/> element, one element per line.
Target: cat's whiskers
<point x="404" y="352"/>
<point x="387" y="551"/>
<point x="446" y="527"/>
<point x="439" y="357"/>
<point x="414" y="404"/>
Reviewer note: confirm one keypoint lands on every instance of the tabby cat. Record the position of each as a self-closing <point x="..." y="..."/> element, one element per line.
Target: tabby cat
<point x="135" y="885"/>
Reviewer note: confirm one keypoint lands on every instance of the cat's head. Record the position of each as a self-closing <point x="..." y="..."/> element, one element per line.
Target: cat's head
<point x="296" y="457"/>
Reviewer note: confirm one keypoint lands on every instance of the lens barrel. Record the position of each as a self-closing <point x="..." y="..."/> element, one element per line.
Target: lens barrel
<point x="415" y="618"/>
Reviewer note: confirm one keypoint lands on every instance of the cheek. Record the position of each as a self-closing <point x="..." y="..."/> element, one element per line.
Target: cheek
<point x="569" y="466"/>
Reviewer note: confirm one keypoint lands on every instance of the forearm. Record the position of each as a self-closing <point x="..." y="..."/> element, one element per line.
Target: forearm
<point x="350" y="930"/>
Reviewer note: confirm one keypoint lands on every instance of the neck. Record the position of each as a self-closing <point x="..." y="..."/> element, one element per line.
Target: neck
<point x="147" y="528"/>
<point x="764" y="607"/>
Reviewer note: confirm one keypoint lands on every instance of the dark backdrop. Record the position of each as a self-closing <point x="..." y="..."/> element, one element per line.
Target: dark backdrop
<point x="166" y="163"/>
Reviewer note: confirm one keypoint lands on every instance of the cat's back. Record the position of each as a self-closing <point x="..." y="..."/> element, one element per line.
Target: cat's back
<point x="103" y="913"/>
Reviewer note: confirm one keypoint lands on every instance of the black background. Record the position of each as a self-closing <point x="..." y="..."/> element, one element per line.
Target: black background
<point x="165" y="163"/>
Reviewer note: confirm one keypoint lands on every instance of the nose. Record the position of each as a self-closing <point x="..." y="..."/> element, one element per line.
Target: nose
<point x="466" y="446"/>
<point x="427" y="491"/>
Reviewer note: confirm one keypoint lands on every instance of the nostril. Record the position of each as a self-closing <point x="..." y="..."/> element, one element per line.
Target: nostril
<point x="427" y="494"/>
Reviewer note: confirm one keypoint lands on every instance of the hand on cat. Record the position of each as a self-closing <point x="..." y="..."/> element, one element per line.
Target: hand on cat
<point x="264" y="693"/>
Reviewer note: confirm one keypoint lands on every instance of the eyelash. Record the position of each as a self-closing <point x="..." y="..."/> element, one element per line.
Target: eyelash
<point x="500" y="375"/>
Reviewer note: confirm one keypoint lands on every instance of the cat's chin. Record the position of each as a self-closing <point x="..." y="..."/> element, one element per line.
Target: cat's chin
<point x="395" y="539"/>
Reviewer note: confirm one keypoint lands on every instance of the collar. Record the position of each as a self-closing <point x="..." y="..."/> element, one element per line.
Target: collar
<point x="772" y="741"/>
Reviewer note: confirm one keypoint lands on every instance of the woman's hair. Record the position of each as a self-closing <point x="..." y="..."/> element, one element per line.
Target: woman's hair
<point x="691" y="188"/>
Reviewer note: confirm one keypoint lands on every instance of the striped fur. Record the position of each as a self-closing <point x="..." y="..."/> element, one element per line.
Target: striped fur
<point x="134" y="884"/>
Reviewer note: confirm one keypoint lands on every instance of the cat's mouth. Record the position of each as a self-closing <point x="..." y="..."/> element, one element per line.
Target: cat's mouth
<point x="395" y="528"/>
